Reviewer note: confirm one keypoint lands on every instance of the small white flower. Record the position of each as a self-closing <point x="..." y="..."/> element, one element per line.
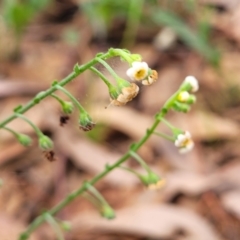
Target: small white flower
<point x="138" y="71"/>
<point x="184" y="142"/>
<point x="193" y="82"/>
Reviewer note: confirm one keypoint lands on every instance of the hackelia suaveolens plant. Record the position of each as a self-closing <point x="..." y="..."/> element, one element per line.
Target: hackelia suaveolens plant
<point x="120" y="94"/>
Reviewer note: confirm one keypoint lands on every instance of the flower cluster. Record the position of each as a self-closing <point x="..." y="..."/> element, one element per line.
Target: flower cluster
<point x="141" y="72"/>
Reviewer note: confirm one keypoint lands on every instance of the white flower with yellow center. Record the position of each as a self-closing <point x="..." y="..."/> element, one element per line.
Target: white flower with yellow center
<point x="193" y="83"/>
<point x="184" y="142"/>
<point x="138" y="71"/>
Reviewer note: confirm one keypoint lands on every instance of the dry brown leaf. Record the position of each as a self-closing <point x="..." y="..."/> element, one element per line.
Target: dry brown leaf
<point x="92" y="157"/>
<point x="206" y="125"/>
<point x="231" y="202"/>
<point x="10" y="228"/>
<point x="154" y="221"/>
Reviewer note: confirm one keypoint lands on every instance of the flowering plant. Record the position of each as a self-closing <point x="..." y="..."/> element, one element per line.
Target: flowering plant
<point x="120" y="94"/>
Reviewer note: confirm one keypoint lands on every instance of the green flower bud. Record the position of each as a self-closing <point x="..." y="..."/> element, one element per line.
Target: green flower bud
<point x="67" y="107"/>
<point x="181" y="107"/>
<point x="45" y="143"/>
<point x="151" y="178"/>
<point x="192" y="99"/>
<point x="136" y="57"/>
<point x="25" y="140"/>
<point x="85" y="121"/>
<point x="113" y="92"/>
<point x="107" y="212"/>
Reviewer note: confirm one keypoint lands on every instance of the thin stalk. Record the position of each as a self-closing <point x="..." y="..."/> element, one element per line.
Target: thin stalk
<point x="52" y="222"/>
<point x="57" y="98"/>
<point x="130" y="170"/>
<point x="35" y="128"/>
<point x="140" y="161"/>
<point x="107" y="66"/>
<point x="165" y="136"/>
<point x="11" y="131"/>
<point x="98" y="195"/>
<point x="94" y="70"/>
<point x="90" y="198"/>
<point x="75" y="101"/>
<point x="39" y="220"/>
<point x="168" y="124"/>
<point x="52" y="89"/>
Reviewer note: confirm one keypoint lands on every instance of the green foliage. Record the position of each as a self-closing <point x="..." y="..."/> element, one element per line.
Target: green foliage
<point x="191" y="38"/>
<point x="103" y="13"/>
<point x="17" y="14"/>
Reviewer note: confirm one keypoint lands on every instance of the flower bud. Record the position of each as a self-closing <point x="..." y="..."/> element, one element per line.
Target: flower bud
<point x="181" y="107"/>
<point x="25" y="140"/>
<point x="45" y="143"/>
<point x="107" y="212"/>
<point x="152" y="181"/>
<point x="85" y="121"/>
<point x="183" y="96"/>
<point x="67" y="107"/>
<point x="191" y="84"/>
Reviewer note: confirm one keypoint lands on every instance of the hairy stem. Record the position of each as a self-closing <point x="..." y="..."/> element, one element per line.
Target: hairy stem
<point x="52" y="89"/>
<point x="39" y="220"/>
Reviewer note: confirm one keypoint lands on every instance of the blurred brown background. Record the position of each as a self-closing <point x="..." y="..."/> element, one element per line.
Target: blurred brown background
<point x="202" y="194"/>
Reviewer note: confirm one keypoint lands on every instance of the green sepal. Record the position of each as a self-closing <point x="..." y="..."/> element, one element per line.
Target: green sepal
<point x="16" y="109"/>
<point x="54" y="83"/>
<point x="107" y="212"/>
<point x="76" y="68"/>
<point x="25" y="140"/>
<point x="45" y="143"/>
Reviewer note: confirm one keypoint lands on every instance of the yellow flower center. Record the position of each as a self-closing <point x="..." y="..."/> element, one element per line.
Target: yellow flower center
<point x="140" y="74"/>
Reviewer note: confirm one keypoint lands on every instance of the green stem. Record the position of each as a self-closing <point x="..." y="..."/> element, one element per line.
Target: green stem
<point x="11" y="131"/>
<point x="52" y="222"/>
<point x="113" y="73"/>
<point x="93" y="69"/>
<point x="75" y="101"/>
<point x="57" y="98"/>
<point x="130" y="170"/>
<point x="141" y="161"/>
<point x="165" y="136"/>
<point x="39" y="220"/>
<point x="167" y="123"/>
<point x="96" y="193"/>
<point x="93" y="200"/>
<point x="36" y="129"/>
<point x="52" y="89"/>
